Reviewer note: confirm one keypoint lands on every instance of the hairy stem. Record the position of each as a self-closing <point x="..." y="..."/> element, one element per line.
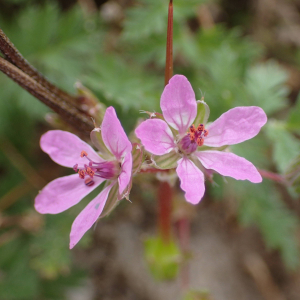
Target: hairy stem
<point x="12" y="55"/>
<point x="66" y="110"/>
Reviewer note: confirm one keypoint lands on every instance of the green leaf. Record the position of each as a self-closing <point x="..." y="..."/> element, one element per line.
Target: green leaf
<point x="292" y="174"/>
<point x="125" y="84"/>
<point x="293" y="120"/>
<point x="19" y="281"/>
<point x="286" y="146"/>
<point x="260" y="205"/>
<point x="265" y="85"/>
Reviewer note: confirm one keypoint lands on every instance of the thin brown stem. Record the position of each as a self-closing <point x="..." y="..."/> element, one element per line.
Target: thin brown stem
<point x="23" y="166"/>
<point x="12" y="55"/>
<point x="71" y="114"/>
<point x="14" y="195"/>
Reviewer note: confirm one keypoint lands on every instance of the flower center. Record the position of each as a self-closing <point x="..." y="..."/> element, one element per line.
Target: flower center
<point x="107" y="169"/>
<point x="193" y="139"/>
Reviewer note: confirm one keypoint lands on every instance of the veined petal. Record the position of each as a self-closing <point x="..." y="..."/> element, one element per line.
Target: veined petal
<point x="178" y="103"/>
<point x="156" y="136"/>
<point x="62" y="193"/>
<point x="235" y="126"/>
<point x="191" y="180"/>
<point x="113" y="134"/>
<point x="88" y="217"/>
<point x="229" y="164"/>
<point x="125" y="175"/>
<point x="65" y="148"/>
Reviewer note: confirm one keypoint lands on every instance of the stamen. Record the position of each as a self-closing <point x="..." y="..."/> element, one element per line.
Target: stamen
<point x="89" y="182"/>
<point x="81" y="174"/>
<point x="200" y="141"/>
<point x="75" y="167"/>
<point x="205" y="132"/>
<point x="90" y="172"/>
<point x="200" y="127"/>
<point x="192" y="136"/>
<point x="83" y="154"/>
<point x="192" y="128"/>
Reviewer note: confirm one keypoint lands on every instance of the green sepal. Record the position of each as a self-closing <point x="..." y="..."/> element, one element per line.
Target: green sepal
<point x="96" y="138"/>
<point x="203" y="112"/>
<point x="137" y="157"/>
<point x="166" y="161"/>
<point x="112" y="200"/>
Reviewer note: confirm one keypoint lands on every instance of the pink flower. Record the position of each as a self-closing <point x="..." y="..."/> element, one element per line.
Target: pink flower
<point x="177" y="141"/>
<point x="68" y="150"/>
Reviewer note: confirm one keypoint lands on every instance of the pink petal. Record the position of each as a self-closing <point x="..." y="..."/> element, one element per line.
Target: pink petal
<point x="235" y="126"/>
<point x="156" y="136"/>
<point x="88" y="216"/>
<point x="178" y="103"/>
<point x="65" y="148"/>
<point x="62" y="193"/>
<point x="113" y="134"/>
<point x="229" y="164"/>
<point x="125" y="175"/>
<point x="191" y="180"/>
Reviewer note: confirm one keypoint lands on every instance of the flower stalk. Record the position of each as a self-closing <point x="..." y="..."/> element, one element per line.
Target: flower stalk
<point x="165" y="190"/>
<point x="169" y="48"/>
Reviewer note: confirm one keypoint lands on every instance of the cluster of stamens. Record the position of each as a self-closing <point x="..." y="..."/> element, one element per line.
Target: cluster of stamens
<point x="194" y="138"/>
<point x="197" y="134"/>
<point x="107" y="170"/>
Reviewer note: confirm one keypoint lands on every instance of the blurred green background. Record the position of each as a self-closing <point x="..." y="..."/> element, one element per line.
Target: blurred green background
<point x="233" y="52"/>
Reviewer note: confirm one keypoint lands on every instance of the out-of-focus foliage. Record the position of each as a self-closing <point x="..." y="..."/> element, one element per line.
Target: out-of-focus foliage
<point x="163" y="259"/>
<point x="125" y="68"/>
<point x="197" y="295"/>
<point x="292" y="174"/>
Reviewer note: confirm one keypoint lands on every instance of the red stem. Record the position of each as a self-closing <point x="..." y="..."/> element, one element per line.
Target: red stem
<point x="169" y="51"/>
<point x="165" y="190"/>
<point x="165" y="209"/>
